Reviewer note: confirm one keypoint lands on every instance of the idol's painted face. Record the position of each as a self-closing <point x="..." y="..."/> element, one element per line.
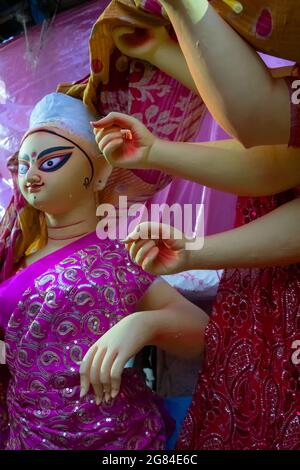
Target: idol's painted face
<point x="54" y="174"/>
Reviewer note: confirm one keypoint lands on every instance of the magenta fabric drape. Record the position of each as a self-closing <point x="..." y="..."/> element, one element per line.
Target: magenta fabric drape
<point x="46" y="398"/>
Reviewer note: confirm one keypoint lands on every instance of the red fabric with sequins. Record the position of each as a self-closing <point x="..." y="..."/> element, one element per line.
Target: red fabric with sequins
<point x="248" y="395"/>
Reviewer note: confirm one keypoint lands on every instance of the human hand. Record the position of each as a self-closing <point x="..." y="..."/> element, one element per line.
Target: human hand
<point x="103" y="364"/>
<point x="140" y="43"/>
<point x="158" y="248"/>
<point x="124" y="141"/>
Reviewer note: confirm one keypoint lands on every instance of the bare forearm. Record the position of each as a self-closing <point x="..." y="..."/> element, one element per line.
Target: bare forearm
<point x="228" y="166"/>
<point x="272" y="240"/>
<point x="177" y="329"/>
<point x="231" y="78"/>
<point x="170" y="59"/>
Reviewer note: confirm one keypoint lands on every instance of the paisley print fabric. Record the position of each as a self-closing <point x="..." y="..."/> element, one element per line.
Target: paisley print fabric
<point x="248" y="395"/>
<point x="52" y="312"/>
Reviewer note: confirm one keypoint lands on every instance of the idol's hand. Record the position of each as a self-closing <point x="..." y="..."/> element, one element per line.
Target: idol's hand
<point x="103" y="364"/>
<point x="159" y="248"/>
<point x="140" y="43"/>
<point x="124" y="141"/>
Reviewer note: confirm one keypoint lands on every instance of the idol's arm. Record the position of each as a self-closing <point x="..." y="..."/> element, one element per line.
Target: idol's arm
<point x="174" y="324"/>
<point x="164" y="319"/>
<point x="224" y="165"/>
<point x="155" y="46"/>
<point x="271" y="240"/>
<point x="228" y="166"/>
<point x="170" y="59"/>
<point x="233" y="81"/>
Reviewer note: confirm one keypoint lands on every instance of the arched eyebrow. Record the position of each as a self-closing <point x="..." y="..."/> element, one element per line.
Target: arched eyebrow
<point x="46" y="152"/>
<point x="51" y="150"/>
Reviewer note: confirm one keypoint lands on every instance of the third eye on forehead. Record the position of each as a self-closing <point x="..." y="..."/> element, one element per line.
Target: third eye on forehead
<point x="45" y="152"/>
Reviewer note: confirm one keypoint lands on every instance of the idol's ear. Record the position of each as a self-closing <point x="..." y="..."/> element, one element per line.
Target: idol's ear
<point x="102" y="173"/>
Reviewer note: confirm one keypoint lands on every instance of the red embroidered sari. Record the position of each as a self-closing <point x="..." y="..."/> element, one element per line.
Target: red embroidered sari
<point x="248" y="394"/>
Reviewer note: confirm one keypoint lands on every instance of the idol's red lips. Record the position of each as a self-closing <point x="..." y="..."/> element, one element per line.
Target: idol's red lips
<point x="34" y="187"/>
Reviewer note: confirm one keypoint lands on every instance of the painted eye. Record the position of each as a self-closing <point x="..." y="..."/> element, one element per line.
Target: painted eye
<point x="22" y="168"/>
<point x="54" y="163"/>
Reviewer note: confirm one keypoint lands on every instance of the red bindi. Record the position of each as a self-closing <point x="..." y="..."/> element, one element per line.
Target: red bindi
<point x="33" y="155"/>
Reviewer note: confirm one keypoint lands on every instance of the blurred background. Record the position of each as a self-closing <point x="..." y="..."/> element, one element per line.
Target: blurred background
<point x="16" y="15"/>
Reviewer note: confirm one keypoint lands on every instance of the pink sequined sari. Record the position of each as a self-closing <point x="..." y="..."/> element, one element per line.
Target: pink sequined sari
<point x="52" y="312"/>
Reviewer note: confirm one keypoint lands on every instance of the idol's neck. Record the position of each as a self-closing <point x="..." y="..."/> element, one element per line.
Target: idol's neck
<point x="71" y="225"/>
